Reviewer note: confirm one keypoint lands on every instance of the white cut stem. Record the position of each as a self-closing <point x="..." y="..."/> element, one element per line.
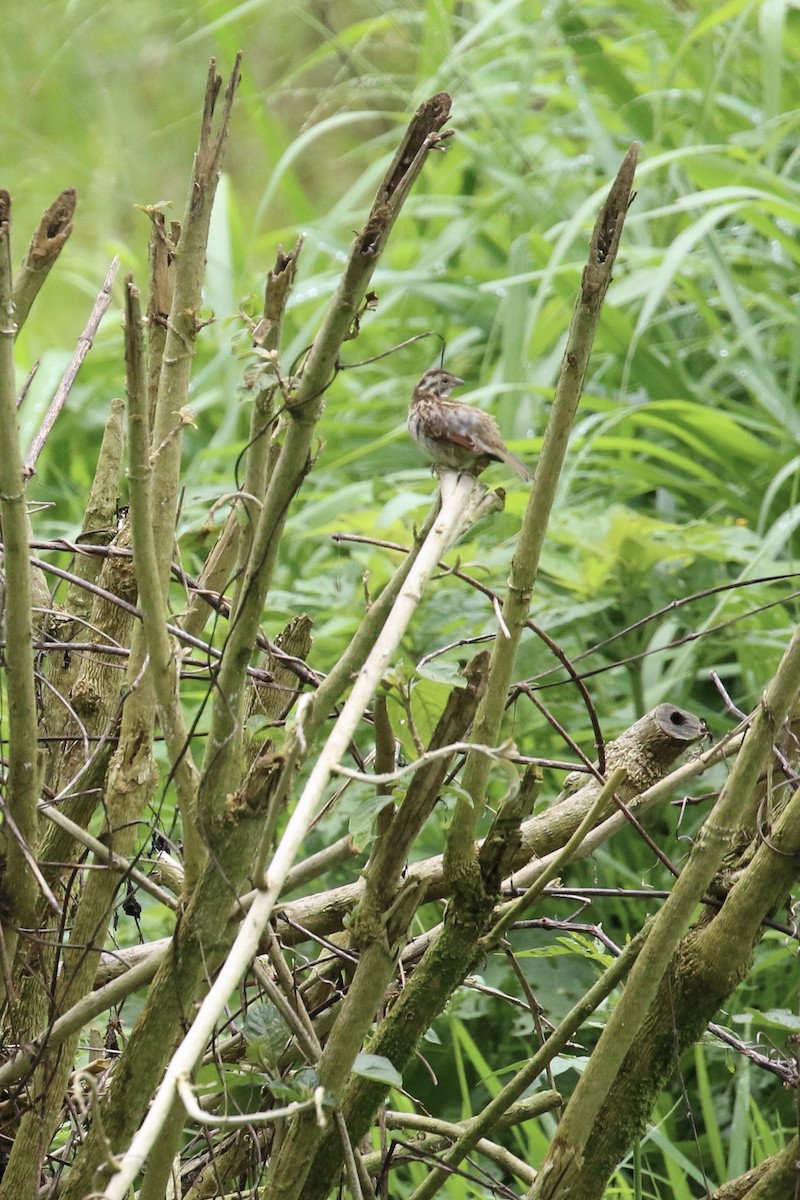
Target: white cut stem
<point x="464" y="499"/>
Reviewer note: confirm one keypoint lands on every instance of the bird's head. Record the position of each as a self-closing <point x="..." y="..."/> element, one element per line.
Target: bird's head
<point x="438" y="382"/>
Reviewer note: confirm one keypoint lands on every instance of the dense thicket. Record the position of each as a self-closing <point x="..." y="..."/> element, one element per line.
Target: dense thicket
<point x="182" y="665"/>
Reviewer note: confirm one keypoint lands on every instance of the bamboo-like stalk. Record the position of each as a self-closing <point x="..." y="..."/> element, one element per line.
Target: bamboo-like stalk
<point x="22" y="778"/>
<point x="46" y="245"/>
<point x="163" y="664"/>
<point x="453" y="951"/>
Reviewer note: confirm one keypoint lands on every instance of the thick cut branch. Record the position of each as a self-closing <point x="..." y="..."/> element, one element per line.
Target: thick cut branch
<point x="543" y="835"/>
<point x="19" y="887"/>
<point x="46" y="244"/>
<point x="708" y="964"/>
<point x="160" y="293"/>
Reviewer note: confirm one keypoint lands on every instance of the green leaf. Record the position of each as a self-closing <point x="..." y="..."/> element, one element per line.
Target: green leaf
<point x="363" y="805"/>
<point x="298" y="1086"/>
<point x="378" y="1069"/>
<point x="265" y="1032"/>
<point x="783" y="1017"/>
<point x="442" y="671"/>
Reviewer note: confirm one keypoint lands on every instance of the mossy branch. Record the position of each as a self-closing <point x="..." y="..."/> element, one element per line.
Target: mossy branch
<point x="542" y="836"/>
<point x="492" y="1114"/>
<point x="22" y="777"/>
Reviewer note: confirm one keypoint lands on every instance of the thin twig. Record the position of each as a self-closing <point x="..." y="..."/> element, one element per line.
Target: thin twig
<point x="116" y="861"/>
<point x="505" y="753"/>
<point x="85" y="343"/>
<point x="30" y="859"/>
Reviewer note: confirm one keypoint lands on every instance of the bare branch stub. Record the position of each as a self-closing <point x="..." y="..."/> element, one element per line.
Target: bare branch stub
<point x="210" y="149"/>
<point x="5" y="213"/>
<point x="608" y="230"/>
<point x="276" y="293"/>
<point x="48" y="241"/>
<point x="428" y="120"/>
<point x="53" y="229"/>
<point x="161" y="254"/>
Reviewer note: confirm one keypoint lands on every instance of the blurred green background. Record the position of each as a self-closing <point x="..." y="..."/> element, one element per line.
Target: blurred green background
<point x="683" y="468"/>
<point x="673" y="546"/>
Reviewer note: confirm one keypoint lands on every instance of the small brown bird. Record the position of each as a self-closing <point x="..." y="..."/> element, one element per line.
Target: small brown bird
<point x="454" y="434"/>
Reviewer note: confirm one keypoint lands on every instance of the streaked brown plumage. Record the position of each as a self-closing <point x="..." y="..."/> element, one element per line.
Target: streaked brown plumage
<point x="454" y="434"/>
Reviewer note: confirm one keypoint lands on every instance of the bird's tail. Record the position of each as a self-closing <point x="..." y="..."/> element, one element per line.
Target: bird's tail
<point x="516" y="464"/>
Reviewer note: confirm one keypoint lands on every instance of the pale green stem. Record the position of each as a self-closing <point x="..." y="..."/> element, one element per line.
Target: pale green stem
<point x="22" y="774"/>
<point x="163" y="664"/>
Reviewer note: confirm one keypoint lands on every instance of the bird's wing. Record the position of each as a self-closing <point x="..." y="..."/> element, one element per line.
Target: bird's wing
<point x="471" y="435"/>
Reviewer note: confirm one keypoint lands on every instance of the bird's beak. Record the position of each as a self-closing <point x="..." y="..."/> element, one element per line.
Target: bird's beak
<point x="457" y="381"/>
